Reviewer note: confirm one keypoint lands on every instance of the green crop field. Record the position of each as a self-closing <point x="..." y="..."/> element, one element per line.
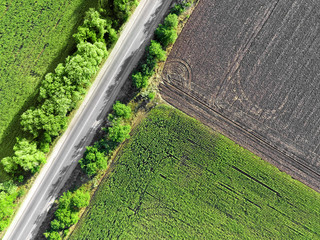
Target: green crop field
<point x="34" y="37"/>
<point x="176" y="179"/>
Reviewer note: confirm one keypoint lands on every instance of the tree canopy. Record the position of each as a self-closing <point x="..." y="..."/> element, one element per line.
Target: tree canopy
<point x="26" y="157"/>
<point x="119" y="133"/>
<point x="122" y="110"/>
<point x="156" y="51"/>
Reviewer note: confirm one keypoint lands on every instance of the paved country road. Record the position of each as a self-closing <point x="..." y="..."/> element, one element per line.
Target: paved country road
<point x="88" y="119"/>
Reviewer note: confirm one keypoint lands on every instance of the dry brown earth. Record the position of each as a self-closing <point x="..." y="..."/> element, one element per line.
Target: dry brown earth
<point x="251" y="70"/>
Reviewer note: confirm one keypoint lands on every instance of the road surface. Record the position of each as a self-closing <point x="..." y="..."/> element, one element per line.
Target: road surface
<point x="88" y="119"/>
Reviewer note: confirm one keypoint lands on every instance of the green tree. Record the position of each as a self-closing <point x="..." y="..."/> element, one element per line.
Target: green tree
<point x="122" y="110"/>
<point x="166" y="36"/>
<point x="121" y="9"/>
<point x="93" y="28"/>
<point x="55" y="225"/>
<point x="93" y="160"/>
<point x="40" y="120"/>
<point x="53" y="235"/>
<point x="156" y="51"/>
<point x="171" y="21"/>
<point x="26" y="156"/>
<point x="80" y="199"/>
<point x="119" y="133"/>
<point x="139" y="80"/>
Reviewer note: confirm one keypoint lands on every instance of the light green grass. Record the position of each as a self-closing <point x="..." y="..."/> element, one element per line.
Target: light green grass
<point x="34" y="37"/>
<point x="176" y="179"/>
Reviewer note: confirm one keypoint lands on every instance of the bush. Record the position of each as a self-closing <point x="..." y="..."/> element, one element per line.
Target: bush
<point x="151" y="95"/>
<point x="171" y="21"/>
<point x="67" y="213"/>
<point x="26" y="157"/>
<point x="121" y="110"/>
<point x="156" y="51"/>
<point x="180" y="8"/>
<point x="93" y="161"/>
<point x="93" y="28"/>
<point x="118" y="132"/>
<point x="166" y="36"/>
<point x="140" y="80"/>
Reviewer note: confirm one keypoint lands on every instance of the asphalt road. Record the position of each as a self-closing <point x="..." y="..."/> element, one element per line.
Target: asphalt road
<point x="88" y="119"/>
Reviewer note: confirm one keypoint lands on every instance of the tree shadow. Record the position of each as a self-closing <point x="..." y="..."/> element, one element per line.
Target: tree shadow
<point x="14" y="128"/>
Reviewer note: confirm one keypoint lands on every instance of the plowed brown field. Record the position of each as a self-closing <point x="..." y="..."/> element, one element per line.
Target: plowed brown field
<point x="251" y="70"/>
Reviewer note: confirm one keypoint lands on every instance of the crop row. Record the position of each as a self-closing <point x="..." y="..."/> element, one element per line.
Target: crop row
<point x="177" y="179"/>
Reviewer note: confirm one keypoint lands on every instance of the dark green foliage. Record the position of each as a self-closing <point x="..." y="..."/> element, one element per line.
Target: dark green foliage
<point x="180" y="8"/>
<point x="156" y="51"/>
<point x="121" y="9"/>
<point x="60" y="91"/>
<point x="176" y="179"/>
<point x="166" y="36"/>
<point x="26" y="157"/>
<point x="52" y="235"/>
<point x="122" y="110"/>
<point x="93" y="160"/>
<point x="35" y="37"/>
<point x="80" y="199"/>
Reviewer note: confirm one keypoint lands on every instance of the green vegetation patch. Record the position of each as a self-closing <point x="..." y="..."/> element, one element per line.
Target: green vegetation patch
<point x="34" y="37"/>
<point x="176" y="179"/>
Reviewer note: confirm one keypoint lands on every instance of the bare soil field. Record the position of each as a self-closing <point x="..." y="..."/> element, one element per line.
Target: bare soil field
<point x="250" y="69"/>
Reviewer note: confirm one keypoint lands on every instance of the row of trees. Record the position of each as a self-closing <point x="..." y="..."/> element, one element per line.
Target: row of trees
<point x="67" y="214"/>
<point x="62" y="90"/>
<point x="59" y="93"/>
<point x="96" y="156"/>
<point x="165" y="34"/>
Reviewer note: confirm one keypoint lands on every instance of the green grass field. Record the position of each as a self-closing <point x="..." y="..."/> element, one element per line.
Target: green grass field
<point x="176" y="179"/>
<point x="34" y="37"/>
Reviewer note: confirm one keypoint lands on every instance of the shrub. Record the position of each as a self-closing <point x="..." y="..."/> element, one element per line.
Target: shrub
<point x="171" y="21"/>
<point x="121" y="110"/>
<point x="93" y="161"/>
<point x="166" y="36"/>
<point x="118" y="132"/>
<point x="26" y="157"/>
<point x="156" y="51"/>
<point x="140" y="80"/>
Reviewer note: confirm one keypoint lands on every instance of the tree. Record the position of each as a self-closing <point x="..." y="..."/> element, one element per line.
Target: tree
<point x="53" y="235"/>
<point x="41" y="120"/>
<point x="93" y="28"/>
<point x="121" y="9"/>
<point x="166" y="36"/>
<point x="171" y="21"/>
<point x="156" y="51"/>
<point x="139" y="80"/>
<point x="121" y="110"/>
<point x="79" y="70"/>
<point x="80" y="199"/>
<point x="26" y="156"/>
<point x="93" y="160"/>
<point x="55" y="225"/>
<point x="119" y="133"/>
